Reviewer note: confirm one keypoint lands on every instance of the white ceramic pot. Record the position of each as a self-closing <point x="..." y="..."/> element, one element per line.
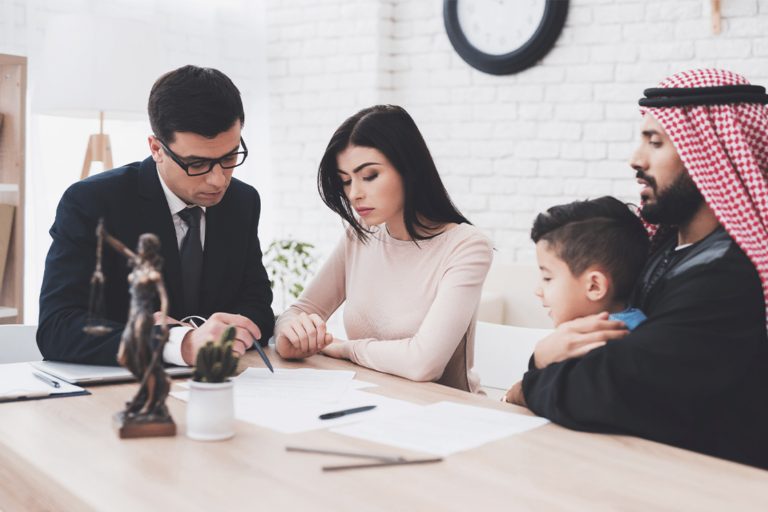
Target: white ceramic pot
<point x="211" y="411"/>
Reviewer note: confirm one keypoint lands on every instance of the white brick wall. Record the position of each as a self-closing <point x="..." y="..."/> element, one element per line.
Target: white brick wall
<point x="507" y="147"/>
<point x="327" y="59"/>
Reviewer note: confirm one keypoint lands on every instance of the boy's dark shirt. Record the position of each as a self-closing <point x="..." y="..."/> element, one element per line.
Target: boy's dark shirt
<point x="694" y="375"/>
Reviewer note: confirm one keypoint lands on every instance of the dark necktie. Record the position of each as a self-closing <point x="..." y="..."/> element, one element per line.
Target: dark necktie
<point x="192" y="260"/>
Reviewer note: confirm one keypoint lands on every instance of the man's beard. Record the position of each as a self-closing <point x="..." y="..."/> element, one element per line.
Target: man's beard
<point x="676" y="205"/>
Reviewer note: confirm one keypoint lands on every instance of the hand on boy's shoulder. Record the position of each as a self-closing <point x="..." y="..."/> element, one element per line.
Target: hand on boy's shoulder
<point x="577" y="337"/>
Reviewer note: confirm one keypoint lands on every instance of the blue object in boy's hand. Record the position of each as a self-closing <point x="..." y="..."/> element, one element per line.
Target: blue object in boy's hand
<point x="630" y="316"/>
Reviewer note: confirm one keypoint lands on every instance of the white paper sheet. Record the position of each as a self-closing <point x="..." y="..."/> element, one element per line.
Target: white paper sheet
<point x="17" y="379"/>
<point x="306" y="384"/>
<point x="361" y="384"/>
<point x="294" y="416"/>
<point x="443" y="428"/>
<point x="355" y="384"/>
<point x="301" y="417"/>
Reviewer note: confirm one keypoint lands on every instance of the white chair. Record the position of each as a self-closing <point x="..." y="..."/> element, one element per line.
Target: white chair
<point x="502" y="353"/>
<point x="18" y="344"/>
<point x="508" y="297"/>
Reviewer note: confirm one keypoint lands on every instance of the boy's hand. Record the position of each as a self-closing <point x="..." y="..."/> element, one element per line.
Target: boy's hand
<point x="515" y="395"/>
<point x="576" y="338"/>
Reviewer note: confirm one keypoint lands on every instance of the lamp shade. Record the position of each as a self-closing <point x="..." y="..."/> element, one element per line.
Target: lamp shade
<point x="93" y="64"/>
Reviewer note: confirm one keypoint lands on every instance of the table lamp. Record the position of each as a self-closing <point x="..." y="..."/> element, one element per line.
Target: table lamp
<point x="97" y="66"/>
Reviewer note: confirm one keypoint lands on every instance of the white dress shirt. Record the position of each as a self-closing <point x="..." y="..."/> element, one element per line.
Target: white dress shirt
<point x="172" y="349"/>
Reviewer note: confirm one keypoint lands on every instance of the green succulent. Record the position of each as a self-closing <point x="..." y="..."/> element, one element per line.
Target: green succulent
<point x="215" y="361"/>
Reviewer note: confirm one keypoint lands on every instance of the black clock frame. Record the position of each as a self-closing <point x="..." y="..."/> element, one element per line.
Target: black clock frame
<point x="555" y="13"/>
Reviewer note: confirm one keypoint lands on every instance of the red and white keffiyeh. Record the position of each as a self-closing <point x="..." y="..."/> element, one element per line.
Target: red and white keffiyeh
<point x="725" y="150"/>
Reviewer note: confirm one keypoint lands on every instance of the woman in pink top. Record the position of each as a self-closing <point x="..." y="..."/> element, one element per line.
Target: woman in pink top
<point x="410" y="266"/>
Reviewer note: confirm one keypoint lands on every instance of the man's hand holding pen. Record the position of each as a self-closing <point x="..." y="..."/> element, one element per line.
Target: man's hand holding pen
<point x="213" y="328"/>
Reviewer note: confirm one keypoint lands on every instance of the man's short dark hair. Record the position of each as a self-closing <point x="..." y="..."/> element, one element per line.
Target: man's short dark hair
<point x="195" y="100"/>
<point x="601" y="232"/>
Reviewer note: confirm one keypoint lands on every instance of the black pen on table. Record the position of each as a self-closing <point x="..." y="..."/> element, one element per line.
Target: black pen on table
<point x="339" y="414"/>
<point x="262" y="354"/>
<point x="45" y="379"/>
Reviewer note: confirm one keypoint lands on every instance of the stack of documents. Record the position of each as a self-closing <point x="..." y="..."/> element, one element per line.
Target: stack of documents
<point x="18" y="382"/>
<point x="291" y="401"/>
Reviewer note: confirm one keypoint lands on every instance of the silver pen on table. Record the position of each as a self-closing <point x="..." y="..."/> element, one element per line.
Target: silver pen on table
<point x="47" y="380"/>
<point x="381" y="464"/>
<point x="384" y="458"/>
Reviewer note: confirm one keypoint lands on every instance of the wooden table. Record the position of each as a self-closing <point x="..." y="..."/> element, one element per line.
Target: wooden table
<point x="63" y="454"/>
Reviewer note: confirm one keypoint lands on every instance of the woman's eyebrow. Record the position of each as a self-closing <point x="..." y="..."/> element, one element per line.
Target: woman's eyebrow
<point x="358" y="168"/>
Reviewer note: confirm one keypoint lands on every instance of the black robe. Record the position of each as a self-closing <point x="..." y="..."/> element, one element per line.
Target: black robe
<point x="694" y="375"/>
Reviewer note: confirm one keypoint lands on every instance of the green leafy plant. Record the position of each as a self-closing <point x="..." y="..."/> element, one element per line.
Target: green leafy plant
<point x="215" y="361"/>
<point x="290" y="263"/>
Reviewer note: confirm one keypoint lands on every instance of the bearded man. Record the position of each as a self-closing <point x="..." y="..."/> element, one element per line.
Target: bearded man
<point x="695" y="374"/>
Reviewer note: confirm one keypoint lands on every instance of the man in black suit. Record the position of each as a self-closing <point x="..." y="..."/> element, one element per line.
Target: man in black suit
<point x="185" y="194"/>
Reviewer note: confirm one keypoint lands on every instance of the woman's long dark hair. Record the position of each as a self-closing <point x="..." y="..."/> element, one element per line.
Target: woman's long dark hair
<point x="390" y="130"/>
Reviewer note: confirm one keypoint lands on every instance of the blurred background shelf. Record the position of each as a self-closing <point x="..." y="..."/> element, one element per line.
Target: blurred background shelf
<point x="13" y="87"/>
<point x="8" y="312"/>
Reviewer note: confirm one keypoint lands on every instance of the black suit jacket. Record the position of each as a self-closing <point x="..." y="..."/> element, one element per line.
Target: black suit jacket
<point x="132" y="202"/>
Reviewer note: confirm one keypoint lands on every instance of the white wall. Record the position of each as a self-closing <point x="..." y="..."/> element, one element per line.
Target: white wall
<point x="13" y="27"/>
<point x="507" y="147"/>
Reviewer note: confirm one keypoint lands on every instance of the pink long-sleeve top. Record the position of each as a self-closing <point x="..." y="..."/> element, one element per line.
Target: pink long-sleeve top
<point x="411" y="309"/>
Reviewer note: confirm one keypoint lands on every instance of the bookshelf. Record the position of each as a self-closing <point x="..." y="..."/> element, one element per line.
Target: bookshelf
<point x="13" y="88"/>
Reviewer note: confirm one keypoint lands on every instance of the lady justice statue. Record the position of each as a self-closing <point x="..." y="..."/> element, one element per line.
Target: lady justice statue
<point x="140" y="352"/>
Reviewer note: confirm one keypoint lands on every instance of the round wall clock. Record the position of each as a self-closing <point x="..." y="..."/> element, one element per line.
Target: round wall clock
<point x="501" y="37"/>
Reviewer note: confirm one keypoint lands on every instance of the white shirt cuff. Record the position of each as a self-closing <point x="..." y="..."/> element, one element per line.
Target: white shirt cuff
<point x="172" y="348"/>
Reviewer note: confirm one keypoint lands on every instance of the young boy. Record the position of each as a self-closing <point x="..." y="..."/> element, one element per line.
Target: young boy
<point x="590" y="254"/>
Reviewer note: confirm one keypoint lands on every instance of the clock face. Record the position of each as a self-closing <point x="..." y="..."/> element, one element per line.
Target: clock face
<point x="503" y="36"/>
<point x="499" y="27"/>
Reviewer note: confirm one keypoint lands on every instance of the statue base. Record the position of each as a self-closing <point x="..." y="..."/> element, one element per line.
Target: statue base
<point x="151" y="425"/>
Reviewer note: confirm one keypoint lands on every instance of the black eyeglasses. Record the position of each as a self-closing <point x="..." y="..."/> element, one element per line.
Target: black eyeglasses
<point x="200" y="167"/>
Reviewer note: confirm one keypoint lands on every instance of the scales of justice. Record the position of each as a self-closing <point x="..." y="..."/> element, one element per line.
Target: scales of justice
<point x="146" y="415"/>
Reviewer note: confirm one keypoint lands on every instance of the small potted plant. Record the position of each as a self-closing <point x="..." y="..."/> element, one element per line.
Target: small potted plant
<point x="211" y="407"/>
